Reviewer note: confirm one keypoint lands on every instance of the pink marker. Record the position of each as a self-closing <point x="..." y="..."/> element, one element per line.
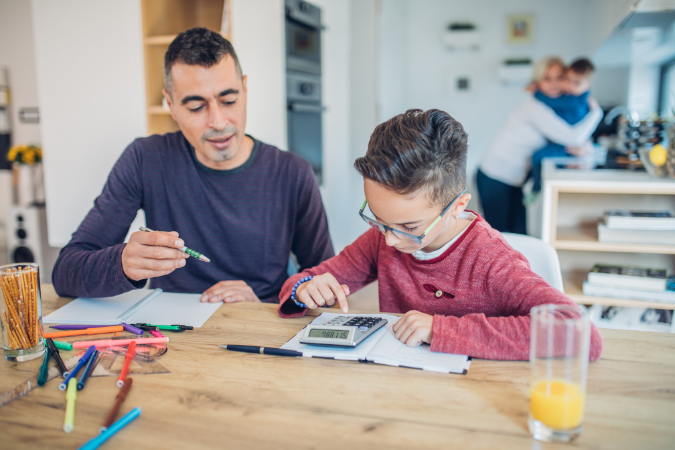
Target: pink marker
<point x="119" y="342"/>
<point x="156" y="333"/>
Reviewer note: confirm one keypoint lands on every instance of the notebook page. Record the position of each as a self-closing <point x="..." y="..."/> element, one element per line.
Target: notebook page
<point x="392" y="352"/>
<point x="352" y="354"/>
<point x="98" y="311"/>
<point x="175" y="309"/>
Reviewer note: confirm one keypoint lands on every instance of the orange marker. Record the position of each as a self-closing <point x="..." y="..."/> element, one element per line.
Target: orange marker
<point x="127" y="360"/>
<point x="100" y="330"/>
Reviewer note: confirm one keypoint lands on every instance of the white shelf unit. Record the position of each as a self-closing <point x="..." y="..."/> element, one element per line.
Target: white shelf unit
<point x="573" y="201"/>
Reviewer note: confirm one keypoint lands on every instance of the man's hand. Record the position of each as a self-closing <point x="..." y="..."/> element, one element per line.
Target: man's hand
<point x="323" y="290"/>
<point x="229" y="292"/>
<point x="414" y="328"/>
<point x="151" y="255"/>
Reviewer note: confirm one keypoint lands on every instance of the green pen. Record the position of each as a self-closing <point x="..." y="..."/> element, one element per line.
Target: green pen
<point x="63" y="345"/>
<point x="189" y="251"/>
<point x="44" y="369"/>
<point x="171" y="327"/>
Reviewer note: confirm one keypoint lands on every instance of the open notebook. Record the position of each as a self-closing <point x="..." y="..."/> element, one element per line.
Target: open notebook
<point x="383" y="348"/>
<point x="138" y="306"/>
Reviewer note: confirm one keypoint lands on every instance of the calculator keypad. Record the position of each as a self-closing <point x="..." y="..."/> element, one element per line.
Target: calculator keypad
<point x="362" y="323"/>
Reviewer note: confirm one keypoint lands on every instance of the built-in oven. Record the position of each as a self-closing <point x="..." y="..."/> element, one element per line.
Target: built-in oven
<point x="303" y="82"/>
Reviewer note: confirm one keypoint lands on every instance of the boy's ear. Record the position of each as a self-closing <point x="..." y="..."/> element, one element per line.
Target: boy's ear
<point x="460" y="205"/>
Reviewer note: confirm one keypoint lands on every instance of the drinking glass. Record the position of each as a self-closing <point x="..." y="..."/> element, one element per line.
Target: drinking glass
<point x="21" y="312"/>
<point x="559" y="346"/>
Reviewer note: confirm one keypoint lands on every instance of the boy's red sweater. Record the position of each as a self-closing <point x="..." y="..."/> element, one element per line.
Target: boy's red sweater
<point x="487" y="289"/>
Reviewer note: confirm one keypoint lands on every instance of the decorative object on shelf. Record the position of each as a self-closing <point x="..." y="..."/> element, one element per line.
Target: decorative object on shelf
<point x="27" y="181"/>
<point x="515" y="71"/>
<point x="520" y="29"/>
<point x="5" y="129"/>
<point x="462" y="36"/>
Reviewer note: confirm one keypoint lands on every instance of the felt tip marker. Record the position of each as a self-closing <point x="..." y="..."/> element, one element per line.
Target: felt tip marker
<point x="80" y="364"/>
<point x="120" y="342"/>
<point x="189" y="251"/>
<point x="131" y="351"/>
<point x="114" y="428"/>
<point x="88" y="369"/>
<point x="88" y="331"/>
<point x="44" y="369"/>
<point x="54" y="352"/>
<point x="71" y="395"/>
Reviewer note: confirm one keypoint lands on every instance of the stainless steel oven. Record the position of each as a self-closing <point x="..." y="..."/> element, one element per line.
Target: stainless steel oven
<point x="303" y="82"/>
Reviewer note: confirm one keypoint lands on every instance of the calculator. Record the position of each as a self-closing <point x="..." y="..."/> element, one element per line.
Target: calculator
<point x="342" y="331"/>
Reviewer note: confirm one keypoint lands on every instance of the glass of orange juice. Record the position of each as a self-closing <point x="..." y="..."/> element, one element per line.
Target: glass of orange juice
<point x="560" y="341"/>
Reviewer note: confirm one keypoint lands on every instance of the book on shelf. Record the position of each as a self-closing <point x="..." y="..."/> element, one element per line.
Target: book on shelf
<point x="630" y="277"/>
<point x="667" y="296"/>
<point x="624" y="236"/>
<point x="639" y="220"/>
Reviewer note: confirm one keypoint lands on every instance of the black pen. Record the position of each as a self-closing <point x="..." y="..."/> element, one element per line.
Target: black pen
<point x="145" y="327"/>
<point x="261" y="350"/>
<point x="53" y="351"/>
<point x="88" y="369"/>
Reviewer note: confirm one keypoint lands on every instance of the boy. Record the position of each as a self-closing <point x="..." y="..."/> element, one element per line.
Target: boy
<point x="572" y="107"/>
<point x="462" y="288"/>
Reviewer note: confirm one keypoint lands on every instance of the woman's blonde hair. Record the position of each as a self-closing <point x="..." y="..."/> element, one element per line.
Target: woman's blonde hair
<point x="542" y="66"/>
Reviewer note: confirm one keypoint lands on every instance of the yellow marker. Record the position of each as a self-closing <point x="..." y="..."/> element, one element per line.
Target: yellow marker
<point x="71" y="395"/>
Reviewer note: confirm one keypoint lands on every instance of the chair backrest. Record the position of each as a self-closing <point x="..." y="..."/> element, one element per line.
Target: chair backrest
<point x="542" y="257"/>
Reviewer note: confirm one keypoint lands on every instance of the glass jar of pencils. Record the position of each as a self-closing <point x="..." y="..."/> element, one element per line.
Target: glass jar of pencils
<point x="21" y="312"/>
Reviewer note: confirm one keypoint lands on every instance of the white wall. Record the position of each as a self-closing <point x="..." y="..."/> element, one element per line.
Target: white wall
<point x="90" y="84"/>
<point x="259" y="40"/>
<point x="17" y="54"/>
<point x="561" y="28"/>
<point x="610" y="85"/>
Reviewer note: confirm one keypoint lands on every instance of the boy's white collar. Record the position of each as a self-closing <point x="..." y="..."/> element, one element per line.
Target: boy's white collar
<point x="424" y="256"/>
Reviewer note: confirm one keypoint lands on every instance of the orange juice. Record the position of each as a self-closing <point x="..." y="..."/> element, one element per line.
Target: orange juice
<point x="558" y="404"/>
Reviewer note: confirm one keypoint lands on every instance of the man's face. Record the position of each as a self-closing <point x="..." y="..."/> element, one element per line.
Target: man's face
<point x="209" y="105"/>
<point x="576" y="84"/>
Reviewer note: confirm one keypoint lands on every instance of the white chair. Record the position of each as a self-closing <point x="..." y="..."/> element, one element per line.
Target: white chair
<point x="542" y="257"/>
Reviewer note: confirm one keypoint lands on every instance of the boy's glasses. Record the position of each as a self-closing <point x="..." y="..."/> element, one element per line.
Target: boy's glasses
<point x="402" y="234"/>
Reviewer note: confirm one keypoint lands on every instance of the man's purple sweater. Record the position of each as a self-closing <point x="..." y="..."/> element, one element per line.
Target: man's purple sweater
<point x="246" y="220"/>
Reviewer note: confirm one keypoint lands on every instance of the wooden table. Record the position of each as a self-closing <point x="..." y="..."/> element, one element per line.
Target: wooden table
<point x="218" y="399"/>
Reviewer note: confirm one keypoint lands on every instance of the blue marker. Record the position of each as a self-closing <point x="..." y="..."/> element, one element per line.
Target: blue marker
<point x="114" y="428"/>
<point x="88" y="369"/>
<point x="77" y="368"/>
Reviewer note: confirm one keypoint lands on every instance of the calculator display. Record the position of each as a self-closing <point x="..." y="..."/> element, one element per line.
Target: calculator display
<point x="329" y="334"/>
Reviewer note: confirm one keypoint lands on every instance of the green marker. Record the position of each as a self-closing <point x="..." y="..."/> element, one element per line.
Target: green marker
<point x="189" y="251"/>
<point x="44" y="369"/>
<point x="171" y="327"/>
<point x="63" y="345"/>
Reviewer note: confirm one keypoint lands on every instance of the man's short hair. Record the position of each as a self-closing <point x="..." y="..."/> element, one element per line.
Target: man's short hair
<point x="418" y="151"/>
<point x="582" y="66"/>
<point x="197" y="47"/>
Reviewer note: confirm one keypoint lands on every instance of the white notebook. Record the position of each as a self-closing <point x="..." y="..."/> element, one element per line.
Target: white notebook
<point x="138" y="306"/>
<point x="382" y="347"/>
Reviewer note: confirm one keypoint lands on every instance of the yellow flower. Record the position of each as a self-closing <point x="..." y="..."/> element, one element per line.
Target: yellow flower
<point x="11" y="155"/>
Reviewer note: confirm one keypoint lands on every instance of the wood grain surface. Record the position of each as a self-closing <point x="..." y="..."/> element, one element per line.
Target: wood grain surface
<point x="218" y="399"/>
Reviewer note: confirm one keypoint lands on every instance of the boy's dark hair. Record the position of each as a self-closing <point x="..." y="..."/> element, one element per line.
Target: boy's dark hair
<point x="416" y="151"/>
<point x="197" y="47"/>
<point x="582" y="66"/>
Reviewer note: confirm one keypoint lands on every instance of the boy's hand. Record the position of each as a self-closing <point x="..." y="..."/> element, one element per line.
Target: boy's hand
<point x="323" y="290"/>
<point x="414" y="328"/>
<point x="593" y="103"/>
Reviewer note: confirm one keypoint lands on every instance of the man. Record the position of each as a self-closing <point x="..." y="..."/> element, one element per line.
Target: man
<point x="245" y="204"/>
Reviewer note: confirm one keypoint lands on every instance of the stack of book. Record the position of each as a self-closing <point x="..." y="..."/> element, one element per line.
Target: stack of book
<point x="633" y="227"/>
<point x="637" y="283"/>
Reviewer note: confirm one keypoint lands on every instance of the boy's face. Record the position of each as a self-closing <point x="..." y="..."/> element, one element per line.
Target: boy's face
<point x="412" y="215"/>
<point x="576" y="83"/>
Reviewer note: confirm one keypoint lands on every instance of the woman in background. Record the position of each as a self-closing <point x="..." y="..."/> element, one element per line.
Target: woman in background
<point x="505" y="165"/>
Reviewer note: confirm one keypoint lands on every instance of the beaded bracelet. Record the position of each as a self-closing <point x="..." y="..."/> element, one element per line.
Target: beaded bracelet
<point x="295" y="286"/>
